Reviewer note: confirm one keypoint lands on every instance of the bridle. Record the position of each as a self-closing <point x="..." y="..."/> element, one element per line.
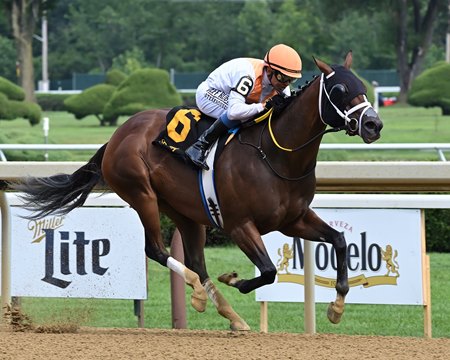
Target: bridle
<point x="353" y="125"/>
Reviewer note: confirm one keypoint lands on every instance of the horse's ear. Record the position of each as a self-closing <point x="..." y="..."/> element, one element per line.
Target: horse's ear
<point x="323" y="67"/>
<point x="348" y="60"/>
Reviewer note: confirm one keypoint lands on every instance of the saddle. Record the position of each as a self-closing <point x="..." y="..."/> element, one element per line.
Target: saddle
<point x="184" y="126"/>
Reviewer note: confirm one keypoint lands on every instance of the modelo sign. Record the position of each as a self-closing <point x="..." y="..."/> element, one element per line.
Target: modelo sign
<point x="91" y="252"/>
<point x="384" y="252"/>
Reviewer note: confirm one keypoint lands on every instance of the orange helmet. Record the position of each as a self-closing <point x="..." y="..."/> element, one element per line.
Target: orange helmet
<point x="284" y="59"/>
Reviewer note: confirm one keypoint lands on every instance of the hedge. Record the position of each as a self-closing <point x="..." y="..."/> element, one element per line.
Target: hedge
<point x="11" y="90"/>
<point x="12" y="109"/>
<point x="432" y="88"/>
<point x="91" y="101"/>
<point x="52" y="102"/>
<point x="144" y="89"/>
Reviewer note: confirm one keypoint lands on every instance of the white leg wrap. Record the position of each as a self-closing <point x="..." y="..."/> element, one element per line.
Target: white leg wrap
<point x="176" y="266"/>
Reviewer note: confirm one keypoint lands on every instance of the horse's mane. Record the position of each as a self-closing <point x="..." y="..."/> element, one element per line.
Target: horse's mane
<point x="296" y="93"/>
<point x="282" y="106"/>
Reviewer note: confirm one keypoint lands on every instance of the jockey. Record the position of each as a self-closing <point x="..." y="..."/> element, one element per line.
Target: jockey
<point x="239" y="89"/>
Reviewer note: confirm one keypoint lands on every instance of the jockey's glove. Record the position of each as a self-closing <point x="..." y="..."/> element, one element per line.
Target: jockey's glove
<point x="276" y="102"/>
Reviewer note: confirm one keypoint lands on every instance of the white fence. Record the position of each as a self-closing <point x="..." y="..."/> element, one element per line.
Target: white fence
<point x="438" y="147"/>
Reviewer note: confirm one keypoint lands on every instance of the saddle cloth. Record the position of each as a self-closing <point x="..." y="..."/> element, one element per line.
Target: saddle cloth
<point x="184" y="126"/>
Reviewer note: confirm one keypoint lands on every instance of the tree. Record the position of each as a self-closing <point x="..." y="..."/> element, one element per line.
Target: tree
<point x="23" y="17"/>
<point x="250" y="30"/>
<point x="7" y="59"/>
<point x="411" y="27"/>
<point x="413" y="45"/>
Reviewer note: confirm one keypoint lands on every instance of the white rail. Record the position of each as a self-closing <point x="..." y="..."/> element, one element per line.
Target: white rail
<point x="438" y="147"/>
<point x="46" y="147"/>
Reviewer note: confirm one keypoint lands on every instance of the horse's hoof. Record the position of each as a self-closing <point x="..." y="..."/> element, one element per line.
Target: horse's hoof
<point x="228" y="278"/>
<point x="239" y="326"/>
<point x="198" y="302"/>
<point x="334" y="315"/>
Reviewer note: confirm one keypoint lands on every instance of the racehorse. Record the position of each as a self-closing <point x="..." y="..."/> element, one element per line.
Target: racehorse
<point x="265" y="180"/>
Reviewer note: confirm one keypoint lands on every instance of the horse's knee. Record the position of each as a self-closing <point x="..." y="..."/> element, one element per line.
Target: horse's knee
<point x="268" y="275"/>
<point x="339" y="242"/>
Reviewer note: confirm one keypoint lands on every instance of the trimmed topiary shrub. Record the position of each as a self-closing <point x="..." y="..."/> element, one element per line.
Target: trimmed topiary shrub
<point x="91" y="102"/>
<point x="115" y="77"/>
<point x="12" y="105"/>
<point x="52" y="102"/>
<point x="432" y="88"/>
<point x="11" y="90"/>
<point x="11" y="109"/>
<point x="144" y="89"/>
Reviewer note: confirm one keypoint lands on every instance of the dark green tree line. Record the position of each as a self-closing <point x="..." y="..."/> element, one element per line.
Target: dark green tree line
<point x="93" y="36"/>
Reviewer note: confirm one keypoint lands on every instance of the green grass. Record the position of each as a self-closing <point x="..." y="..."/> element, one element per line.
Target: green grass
<point x="402" y="124"/>
<point x="386" y="320"/>
<point x="64" y="129"/>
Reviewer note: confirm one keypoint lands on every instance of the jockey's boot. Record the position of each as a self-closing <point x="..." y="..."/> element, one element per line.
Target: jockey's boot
<point x="198" y="151"/>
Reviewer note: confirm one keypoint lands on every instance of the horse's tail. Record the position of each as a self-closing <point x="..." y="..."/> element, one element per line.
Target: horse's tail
<point x="59" y="194"/>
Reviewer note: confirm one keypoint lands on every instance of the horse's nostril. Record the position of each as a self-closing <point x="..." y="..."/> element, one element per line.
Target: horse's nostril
<point x="370" y="125"/>
<point x="373" y="125"/>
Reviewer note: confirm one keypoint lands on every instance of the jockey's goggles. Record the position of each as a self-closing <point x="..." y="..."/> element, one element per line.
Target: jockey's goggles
<point x="283" y="78"/>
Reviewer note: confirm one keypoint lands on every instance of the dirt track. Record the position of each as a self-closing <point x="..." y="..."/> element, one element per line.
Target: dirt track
<point x="104" y="344"/>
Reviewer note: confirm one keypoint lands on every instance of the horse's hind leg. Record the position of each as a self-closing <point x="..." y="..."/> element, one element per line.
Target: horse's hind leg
<point x="224" y="308"/>
<point x="194" y="238"/>
<point x="137" y="192"/>
<point x="154" y="248"/>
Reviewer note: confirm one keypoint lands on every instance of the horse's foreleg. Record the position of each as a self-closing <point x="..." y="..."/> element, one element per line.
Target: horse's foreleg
<point x="224" y="308"/>
<point x="313" y="228"/>
<point x="336" y="308"/>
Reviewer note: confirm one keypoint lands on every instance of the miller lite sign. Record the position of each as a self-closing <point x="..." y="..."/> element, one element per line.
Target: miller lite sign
<point x="90" y="253"/>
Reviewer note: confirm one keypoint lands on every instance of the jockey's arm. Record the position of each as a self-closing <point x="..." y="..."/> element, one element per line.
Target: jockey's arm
<point x="238" y="109"/>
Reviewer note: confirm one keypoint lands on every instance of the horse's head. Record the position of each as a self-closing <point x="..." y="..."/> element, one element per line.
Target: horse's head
<point x="343" y="102"/>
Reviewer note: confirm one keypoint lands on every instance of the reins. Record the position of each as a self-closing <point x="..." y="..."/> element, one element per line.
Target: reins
<point x="266" y="159"/>
<point x="272" y="136"/>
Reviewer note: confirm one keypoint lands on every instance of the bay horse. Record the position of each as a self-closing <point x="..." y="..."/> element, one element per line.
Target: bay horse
<point x="265" y="180"/>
